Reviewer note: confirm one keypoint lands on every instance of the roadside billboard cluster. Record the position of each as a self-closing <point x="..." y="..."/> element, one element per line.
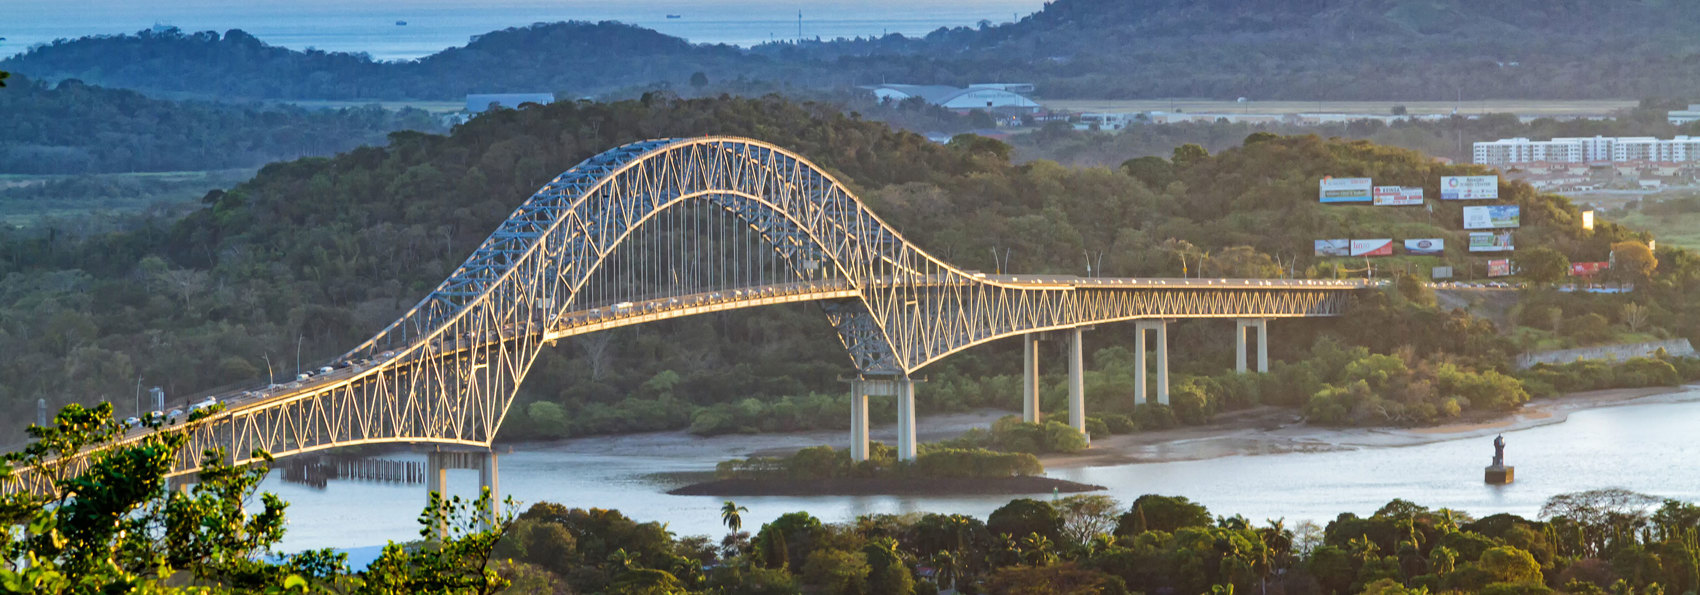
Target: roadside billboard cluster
<point x="1491" y="241"/>
<point x="1382" y="247"/>
<point x="1469" y="187"/>
<point x="1378" y="247"/>
<point x="1398" y="196"/>
<point x="1349" y="190"/>
<point x="1491" y="225"/>
<point x="1587" y="269"/>
<point x="1499" y="268"/>
<point x="1426" y="247"/>
<point x="1492" y="217"/>
<point x="1335" y="190"/>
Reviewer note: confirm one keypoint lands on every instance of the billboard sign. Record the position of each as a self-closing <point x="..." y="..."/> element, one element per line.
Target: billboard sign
<point x="1587" y="269"/>
<point x="1440" y="273"/>
<point x="1426" y="247"/>
<point x="1372" y="247"/>
<point x="1469" y="187"/>
<point x="1491" y="241"/>
<point x="1333" y="247"/>
<point x="1499" y="268"/>
<point x="1588" y="220"/>
<point x="1494" y="217"/>
<point x="1346" y="190"/>
<point x="1398" y="196"/>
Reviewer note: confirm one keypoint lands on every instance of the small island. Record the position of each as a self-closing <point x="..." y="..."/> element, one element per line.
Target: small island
<point x="937" y="471"/>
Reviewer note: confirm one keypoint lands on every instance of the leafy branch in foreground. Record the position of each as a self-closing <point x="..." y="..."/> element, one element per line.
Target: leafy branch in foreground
<point x="115" y="527"/>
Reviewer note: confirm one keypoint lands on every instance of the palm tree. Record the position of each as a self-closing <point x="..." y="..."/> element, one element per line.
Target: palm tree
<point x="1363" y="548"/>
<point x="729" y="514"/>
<point x="1038" y="550"/>
<point x="944" y="569"/>
<point x="625" y="560"/>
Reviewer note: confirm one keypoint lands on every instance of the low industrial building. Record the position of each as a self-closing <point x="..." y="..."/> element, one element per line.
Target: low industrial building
<point x="479" y="103"/>
<point x="990" y="97"/>
<point x="1690" y="115"/>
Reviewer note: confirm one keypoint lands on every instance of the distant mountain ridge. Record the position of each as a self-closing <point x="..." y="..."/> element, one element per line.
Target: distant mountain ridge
<point x="1264" y="49"/>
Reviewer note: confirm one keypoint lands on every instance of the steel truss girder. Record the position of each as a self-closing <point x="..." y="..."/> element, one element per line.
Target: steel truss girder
<point x="447" y="371"/>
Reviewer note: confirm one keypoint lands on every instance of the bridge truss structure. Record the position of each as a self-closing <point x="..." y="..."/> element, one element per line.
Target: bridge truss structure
<point x="669" y="228"/>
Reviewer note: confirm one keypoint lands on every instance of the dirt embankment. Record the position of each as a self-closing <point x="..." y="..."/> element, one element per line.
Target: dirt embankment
<point x="884" y="486"/>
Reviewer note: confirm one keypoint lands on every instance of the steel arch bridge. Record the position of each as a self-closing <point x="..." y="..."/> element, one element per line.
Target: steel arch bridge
<point x="669" y="228"/>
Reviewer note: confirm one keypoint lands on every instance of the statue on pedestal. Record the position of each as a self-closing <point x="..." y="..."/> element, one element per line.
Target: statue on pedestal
<point x="1498" y="473"/>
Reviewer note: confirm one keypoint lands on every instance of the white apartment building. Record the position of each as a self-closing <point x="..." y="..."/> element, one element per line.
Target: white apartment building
<point x="1680" y="117"/>
<point x="1599" y="149"/>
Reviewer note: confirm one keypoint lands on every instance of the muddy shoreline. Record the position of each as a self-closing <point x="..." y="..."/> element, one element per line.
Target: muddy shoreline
<point x="1256" y="431"/>
<point x="885" y="486"/>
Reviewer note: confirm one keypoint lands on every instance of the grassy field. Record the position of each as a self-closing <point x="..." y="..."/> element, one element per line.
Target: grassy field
<point x="28" y="200"/>
<point x="439" y="107"/>
<point x="1514" y="106"/>
<point x="1672" y="229"/>
<point x="1682" y="229"/>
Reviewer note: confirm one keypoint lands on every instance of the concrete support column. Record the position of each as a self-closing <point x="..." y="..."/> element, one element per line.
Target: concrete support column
<point x="1262" y="345"/>
<point x="437" y="482"/>
<point x="1076" y="382"/>
<point x="858" y="420"/>
<point x="905" y="419"/>
<point x="487" y="481"/>
<point x="1262" y="326"/>
<point x="1163" y="362"/>
<point x="1139" y="394"/>
<point x="1239" y="344"/>
<point x="1030" y="378"/>
<point x="180" y="484"/>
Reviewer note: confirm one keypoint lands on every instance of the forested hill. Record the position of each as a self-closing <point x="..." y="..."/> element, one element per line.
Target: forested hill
<point x="1265" y="49"/>
<point x="573" y="58"/>
<point x="75" y="128"/>
<point x="326" y="251"/>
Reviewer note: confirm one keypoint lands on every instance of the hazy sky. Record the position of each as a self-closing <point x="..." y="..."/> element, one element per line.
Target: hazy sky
<point x="369" y="25"/>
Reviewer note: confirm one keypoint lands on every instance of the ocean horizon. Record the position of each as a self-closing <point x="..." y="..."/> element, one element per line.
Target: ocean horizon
<point x="374" y="28"/>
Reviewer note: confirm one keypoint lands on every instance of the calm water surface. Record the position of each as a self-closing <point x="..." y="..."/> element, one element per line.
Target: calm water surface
<point x="336" y="25"/>
<point x="1649" y="448"/>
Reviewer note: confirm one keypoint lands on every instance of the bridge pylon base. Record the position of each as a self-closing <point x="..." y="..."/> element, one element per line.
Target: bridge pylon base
<point x="437" y="466"/>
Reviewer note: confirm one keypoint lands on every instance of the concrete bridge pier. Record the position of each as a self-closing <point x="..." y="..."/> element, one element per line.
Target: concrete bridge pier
<point x="860" y="389"/>
<point x="905" y="418"/>
<point x="1162" y="330"/>
<point x="437" y="466"/>
<point x="1030" y="378"/>
<point x="902" y="387"/>
<point x="1077" y="383"/>
<point x="1262" y="326"/>
<point x="858" y="421"/>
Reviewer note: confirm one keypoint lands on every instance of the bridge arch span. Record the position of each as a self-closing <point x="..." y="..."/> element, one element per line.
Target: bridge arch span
<point x="619" y="239"/>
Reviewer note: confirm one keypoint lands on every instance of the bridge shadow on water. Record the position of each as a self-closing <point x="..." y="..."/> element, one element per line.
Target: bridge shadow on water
<point x="318" y="471"/>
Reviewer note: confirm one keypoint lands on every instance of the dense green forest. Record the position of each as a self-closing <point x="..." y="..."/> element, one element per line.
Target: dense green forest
<point x="1270" y="49"/>
<point x="75" y="128"/>
<point x="89" y="203"/>
<point x="321" y="252"/>
<point x="1606" y="541"/>
<point x="126" y="532"/>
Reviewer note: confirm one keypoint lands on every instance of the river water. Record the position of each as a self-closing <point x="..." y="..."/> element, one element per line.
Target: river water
<point x="1651" y="448"/>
